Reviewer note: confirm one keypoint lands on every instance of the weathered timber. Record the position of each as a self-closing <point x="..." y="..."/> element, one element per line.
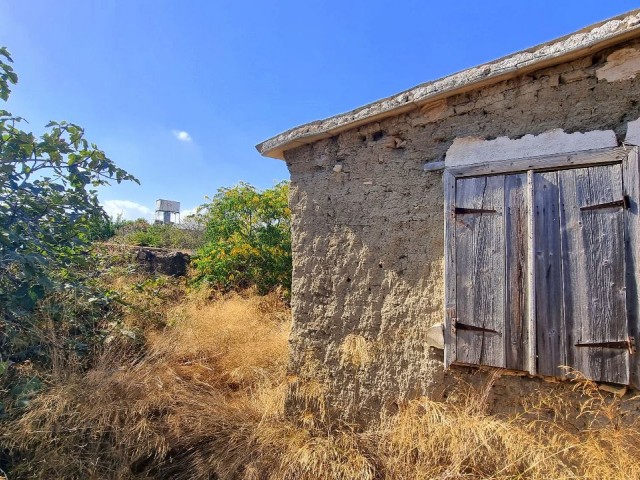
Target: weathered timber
<point x="516" y="217"/>
<point x="480" y="264"/>
<point x="631" y="190"/>
<point x="450" y="339"/>
<point x="551" y="162"/>
<point x="555" y="295"/>
<point x="593" y="272"/>
<point x="530" y="345"/>
<point x="550" y="331"/>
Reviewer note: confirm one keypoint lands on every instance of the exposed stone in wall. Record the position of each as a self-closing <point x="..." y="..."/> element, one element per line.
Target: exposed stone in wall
<point x="368" y="232"/>
<point x="431" y="112"/>
<point x="621" y="65"/>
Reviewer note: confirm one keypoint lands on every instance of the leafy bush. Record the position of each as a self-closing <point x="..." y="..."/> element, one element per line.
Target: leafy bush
<point x="48" y="208"/>
<point x="50" y="304"/>
<point x="248" y="236"/>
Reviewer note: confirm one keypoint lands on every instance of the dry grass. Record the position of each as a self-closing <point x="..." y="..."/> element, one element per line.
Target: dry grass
<point x="355" y="351"/>
<point x="178" y="410"/>
<point x="204" y="399"/>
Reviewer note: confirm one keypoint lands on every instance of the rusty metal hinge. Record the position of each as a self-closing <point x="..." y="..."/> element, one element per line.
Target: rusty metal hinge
<point x="624" y="203"/>
<point x="629" y="344"/>
<point x="474" y="328"/>
<point x="460" y="210"/>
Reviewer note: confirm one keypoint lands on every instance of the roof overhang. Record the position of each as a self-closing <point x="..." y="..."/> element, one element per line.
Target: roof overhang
<point x="590" y="39"/>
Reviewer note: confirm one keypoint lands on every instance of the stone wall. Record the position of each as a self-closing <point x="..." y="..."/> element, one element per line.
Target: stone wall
<point x="368" y="230"/>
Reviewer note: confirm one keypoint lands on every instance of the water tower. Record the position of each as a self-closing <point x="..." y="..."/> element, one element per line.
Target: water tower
<point x="167" y="211"/>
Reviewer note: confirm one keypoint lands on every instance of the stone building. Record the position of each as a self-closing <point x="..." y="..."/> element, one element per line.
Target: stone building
<point x="498" y="205"/>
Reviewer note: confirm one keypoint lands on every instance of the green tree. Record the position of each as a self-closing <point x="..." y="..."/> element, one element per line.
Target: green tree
<point x="48" y="205"/>
<point x="248" y="236"/>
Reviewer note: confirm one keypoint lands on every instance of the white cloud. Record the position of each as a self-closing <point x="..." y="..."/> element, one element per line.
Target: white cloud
<point x="182" y="135"/>
<point x="127" y="209"/>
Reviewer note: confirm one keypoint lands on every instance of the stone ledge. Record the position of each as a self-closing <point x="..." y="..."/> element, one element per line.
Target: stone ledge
<point x="474" y="150"/>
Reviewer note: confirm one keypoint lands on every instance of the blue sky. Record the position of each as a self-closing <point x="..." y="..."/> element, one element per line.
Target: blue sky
<point x="179" y="92"/>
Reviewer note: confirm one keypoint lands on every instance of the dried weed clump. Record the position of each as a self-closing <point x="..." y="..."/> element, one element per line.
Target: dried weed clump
<point x="204" y="398"/>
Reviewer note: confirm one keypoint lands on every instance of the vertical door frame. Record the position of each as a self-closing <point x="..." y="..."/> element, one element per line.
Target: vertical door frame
<point x="631" y="190"/>
<point x="450" y="301"/>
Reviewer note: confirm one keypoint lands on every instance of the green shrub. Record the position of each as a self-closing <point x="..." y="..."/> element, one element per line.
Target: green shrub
<point x="248" y="235"/>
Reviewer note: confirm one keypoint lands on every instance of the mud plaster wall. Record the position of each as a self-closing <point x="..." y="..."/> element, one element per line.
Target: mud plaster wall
<point x="368" y="233"/>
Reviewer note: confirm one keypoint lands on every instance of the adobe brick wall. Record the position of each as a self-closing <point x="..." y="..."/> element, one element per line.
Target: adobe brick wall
<point x="368" y="231"/>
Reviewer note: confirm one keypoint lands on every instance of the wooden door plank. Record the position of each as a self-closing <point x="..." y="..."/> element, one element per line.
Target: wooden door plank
<point x="593" y="272"/>
<point x="516" y="226"/>
<point x="550" y="331"/>
<point x="480" y="267"/>
<point x="531" y="280"/>
<point x="631" y="188"/>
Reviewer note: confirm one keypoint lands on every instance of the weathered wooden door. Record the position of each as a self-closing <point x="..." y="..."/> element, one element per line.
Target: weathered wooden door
<point x="540" y="282"/>
<point x="491" y="258"/>
<point x="581" y="318"/>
